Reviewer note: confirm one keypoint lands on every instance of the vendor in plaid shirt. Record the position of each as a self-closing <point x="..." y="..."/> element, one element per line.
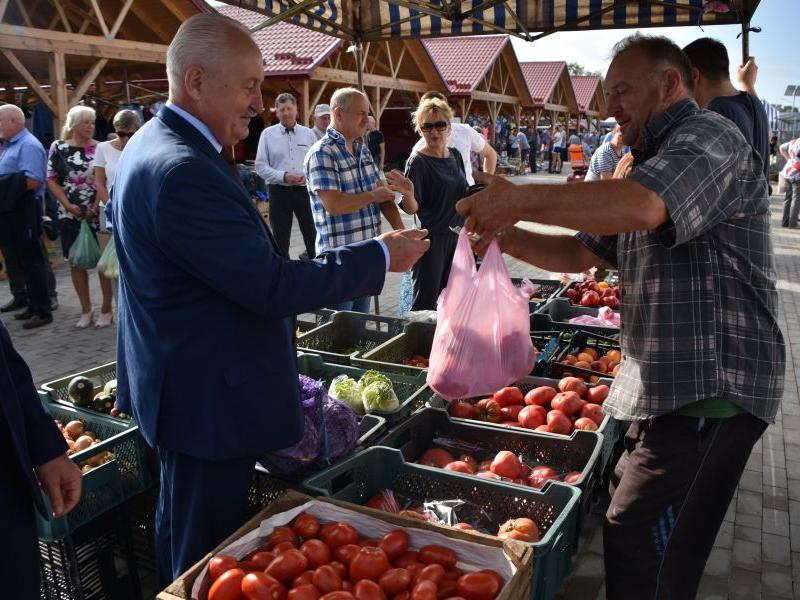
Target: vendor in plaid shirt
<point x="703" y="357"/>
<point x="344" y="183"/>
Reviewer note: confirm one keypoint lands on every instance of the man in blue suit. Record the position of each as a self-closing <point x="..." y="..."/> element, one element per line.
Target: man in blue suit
<point x="207" y="364"/>
<point x="32" y="456"/>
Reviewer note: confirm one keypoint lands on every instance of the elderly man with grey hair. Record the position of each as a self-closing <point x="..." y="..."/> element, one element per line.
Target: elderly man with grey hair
<point x="23" y="156"/>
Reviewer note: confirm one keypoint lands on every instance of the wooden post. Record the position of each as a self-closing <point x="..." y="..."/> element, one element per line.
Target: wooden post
<point x="305" y="118"/>
<point x="58" y="89"/>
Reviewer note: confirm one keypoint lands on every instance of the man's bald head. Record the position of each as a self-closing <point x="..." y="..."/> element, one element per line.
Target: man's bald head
<point x="12" y="120"/>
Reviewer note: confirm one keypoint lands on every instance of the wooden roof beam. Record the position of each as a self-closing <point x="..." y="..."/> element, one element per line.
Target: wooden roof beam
<point x="350" y="77"/>
<point x="29" y="79"/>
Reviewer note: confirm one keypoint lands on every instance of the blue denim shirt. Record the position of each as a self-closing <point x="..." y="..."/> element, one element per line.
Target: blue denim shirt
<point x="24" y="152"/>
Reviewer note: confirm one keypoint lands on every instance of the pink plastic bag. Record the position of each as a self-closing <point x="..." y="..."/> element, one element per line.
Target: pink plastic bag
<point x="482" y="341"/>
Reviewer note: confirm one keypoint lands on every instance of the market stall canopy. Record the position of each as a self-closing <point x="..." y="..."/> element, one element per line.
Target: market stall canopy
<point x="589" y="94"/>
<point x="372" y="20"/>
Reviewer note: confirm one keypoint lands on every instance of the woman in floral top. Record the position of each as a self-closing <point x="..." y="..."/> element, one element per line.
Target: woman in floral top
<point x="70" y="178"/>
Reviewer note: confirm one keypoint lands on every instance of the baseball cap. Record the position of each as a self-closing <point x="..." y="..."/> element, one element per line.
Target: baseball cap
<point x="322" y="109"/>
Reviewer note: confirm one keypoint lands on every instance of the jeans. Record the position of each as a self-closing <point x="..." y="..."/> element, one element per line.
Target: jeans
<point x="358" y="305"/>
<point x="791" y="209"/>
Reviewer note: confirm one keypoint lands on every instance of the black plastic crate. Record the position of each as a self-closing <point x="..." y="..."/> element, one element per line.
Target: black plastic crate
<point x="390" y="357"/>
<point x="349" y="334"/>
<point x="543" y="319"/>
<point x="313" y="319"/>
<point x="575" y="343"/>
<point x="548" y="344"/>
<point x="546" y="289"/>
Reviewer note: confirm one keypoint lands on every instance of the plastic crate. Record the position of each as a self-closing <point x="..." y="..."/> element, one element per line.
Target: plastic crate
<point x="349" y="334"/>
<point x="549" y="344"/>
<point x="582" y="339"/>
<point x="108" y="485"/>
<point x="543" y="319"/>
<point x="99" y="375"/>
<point x="141" y="513"/>
<point x="416" y="338"/>
<point x="95" y="562"/>
<point x="313" y="319"/>
<point x="581" y="452"/>
<point x="408" y="388"/>
<point x="548" y="288"/>
<point x="555" y="510"/>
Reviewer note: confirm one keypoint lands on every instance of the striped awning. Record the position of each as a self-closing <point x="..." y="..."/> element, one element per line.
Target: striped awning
<point x="370" y="20"/>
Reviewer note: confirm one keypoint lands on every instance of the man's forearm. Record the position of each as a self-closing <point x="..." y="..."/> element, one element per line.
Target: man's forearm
<point x="392" y="214"/>
<point x="489" y="161"/>
<point x="599" y="207"/>
<point x="557" y="253"/>
<point x="339" y="203"/>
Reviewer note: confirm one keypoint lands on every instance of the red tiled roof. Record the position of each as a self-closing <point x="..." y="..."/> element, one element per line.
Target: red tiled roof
<point x="585" y="87"/>
<point x="463" y="61"/>
<point x="287" y="49"/>
<point x="541" y="78"/>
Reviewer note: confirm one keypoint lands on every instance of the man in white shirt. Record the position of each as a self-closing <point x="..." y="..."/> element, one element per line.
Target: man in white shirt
<point x="559" y="149"/>
<point x="322" y="118"/>
<point x="464" y="139"/>
<point x="279" y="161"/>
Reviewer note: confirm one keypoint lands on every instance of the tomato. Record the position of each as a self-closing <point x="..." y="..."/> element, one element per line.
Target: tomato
<point x="304" y="592"/>
<point x="414" y="569"/>
<point x="586" y="423"/>
<point x="573" y="384"/>
<point x="436" y="457"/>
<point x="368" y="590"/>
<point x="395" y="543"/>
<point x="262" y="559"/>
<point x="395" y="581"/>
<point x="228" y="586"/>
<point x="219" y="564"/>
<point x="470" y="460"/>
<point x="248" y="566"/>
<point x="369" y="563"/>
<point x="439" y="555"/>
<point x="344" y="554"/>
<point x="341" y="570"/>
<point x="540" y="396"/>
<point x="384" y="501"/>
<point x="459" y="466"/>
<point x="368" y="542"/>
<point x="597" y="394"/>
<point x="347" y="586"/>
<point x="510" y="413"/>
<point x="283" y="534"/>
<point x="316" y="552"/>
<point x="540" y="475"/>
<point x="282" y="547"/>
<point x="496" y="575"/>
<point x="572" y="477"/>
<point x="287" y="566"/>
<point x="593" y="412"/>
<point x="424" y="590"/>
<point x="260" y="586"/>
<point x="558" y="422"/>
<point x="508" y="396"/>
<point x="488" y="410"/>
<point x="338" y="534"/>
<point x="406" y="558"/>
<point x="462" y="410"/>
<point x="306" y="526"/>
<point x="433" y="572"/>
<point x="532" y="416"/>
<point x="506" y="464"/>
<point x="447" y="589"/>
<point x="326" y="579"/>
<point x="338" y="596"/>
<point x="413" y="514"/>
<point x="453" y="574"/>
<point x="569" y="403"/>
<point x="402" y="596"/>
<point x="464" y="526"/>
<point x="478" y="586"/>
<point x="305" y="578"/>
<point x="522" y="529"/>
<point x="488" y="475"/>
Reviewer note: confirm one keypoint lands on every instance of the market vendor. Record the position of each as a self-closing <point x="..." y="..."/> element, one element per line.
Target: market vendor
<point x="703" y="358"/>
<point x="206" y="361"/>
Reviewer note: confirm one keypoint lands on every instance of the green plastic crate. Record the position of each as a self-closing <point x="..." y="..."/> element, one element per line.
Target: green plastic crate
<point x="108" y="485"/>
<point x="555" y="509"/>
<point x="416" y="338"/>
<point x="58" y="389"/>
<point x="580" y="452"/>
<point x="349" y="334"/>
<point x="313" y="319"/>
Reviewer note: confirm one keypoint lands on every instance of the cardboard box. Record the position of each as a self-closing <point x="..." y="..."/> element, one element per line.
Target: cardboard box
<point x="518" y="554"/>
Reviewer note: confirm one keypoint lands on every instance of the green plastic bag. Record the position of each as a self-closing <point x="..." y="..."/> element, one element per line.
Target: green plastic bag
<point x="108" y="264"/>
<point x="84" y="252"/>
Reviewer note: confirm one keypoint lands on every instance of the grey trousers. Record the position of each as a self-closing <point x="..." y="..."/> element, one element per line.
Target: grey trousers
<point x="791" y="210"/>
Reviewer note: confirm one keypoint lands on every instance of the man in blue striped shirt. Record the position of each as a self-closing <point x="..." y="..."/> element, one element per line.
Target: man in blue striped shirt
<point x="604" y="160"/>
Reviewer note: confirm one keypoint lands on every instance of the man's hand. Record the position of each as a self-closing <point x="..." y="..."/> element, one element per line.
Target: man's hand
<point x="382" y="193"/>
<point x="400" y="183"/>
<point x="295" y="178"/>
<point x="747" y="74"/>
<point x="489" y="211"/>
<point x="406" y="247"/>
<point x="61" y="480"/>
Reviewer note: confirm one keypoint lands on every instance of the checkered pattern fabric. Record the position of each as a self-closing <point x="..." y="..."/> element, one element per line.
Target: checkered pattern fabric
<point x="699" y="303"/>
<point x="329" y="165"/>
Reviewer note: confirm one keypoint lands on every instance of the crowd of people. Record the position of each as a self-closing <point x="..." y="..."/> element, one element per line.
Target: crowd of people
<point x="208" y="292"/>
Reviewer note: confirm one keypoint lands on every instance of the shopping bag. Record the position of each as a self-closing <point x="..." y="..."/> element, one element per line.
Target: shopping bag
<point x="108" y="264"/>
<point x="84" y="252"/>
<point x="482" y="340"/>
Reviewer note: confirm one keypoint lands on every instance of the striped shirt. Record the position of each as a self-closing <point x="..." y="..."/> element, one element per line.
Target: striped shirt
<point x="604" y="160"/>
<point x="699" y="302"/>
<point x="329" y="165"/>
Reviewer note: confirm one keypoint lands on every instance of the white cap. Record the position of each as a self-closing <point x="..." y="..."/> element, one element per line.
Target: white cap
<point x="322" y="109"/>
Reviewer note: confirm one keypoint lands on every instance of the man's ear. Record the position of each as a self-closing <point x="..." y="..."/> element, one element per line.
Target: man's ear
<point x="193" y="81"/>
<point x="671" y="82"/>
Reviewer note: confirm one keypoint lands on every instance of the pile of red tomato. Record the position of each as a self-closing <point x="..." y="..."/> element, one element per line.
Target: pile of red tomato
<point x="312" y="561"/>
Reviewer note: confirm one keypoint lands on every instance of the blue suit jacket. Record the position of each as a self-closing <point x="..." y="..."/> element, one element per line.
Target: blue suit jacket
<point x="207" y="364"/>
<point x="33" y="434"/>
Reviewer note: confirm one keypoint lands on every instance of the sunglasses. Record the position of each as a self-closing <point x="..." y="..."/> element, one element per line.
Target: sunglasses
<point x="438" y="126"/>
<point x="124" y="134"/>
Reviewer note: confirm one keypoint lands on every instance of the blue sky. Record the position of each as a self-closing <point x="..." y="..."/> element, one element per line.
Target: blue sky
<point x="774" y="48"/>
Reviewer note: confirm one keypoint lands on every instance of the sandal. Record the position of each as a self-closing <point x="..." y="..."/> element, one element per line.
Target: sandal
<point x="104" y="320"/>
<point x="85" y="320"/>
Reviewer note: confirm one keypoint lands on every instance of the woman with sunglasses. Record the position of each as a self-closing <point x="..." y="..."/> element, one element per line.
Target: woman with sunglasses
<point x="435" y="180"/>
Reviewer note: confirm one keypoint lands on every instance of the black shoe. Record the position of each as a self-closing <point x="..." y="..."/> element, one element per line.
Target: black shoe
<point x="303" y="256"/>
<point x="15" y="304"/>
<point x="24" y="316"/>
<point x="37" y="321"/>
<point x="53" y="303"/>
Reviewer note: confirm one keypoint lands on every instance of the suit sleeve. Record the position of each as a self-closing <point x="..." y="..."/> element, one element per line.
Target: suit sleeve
<point x="45" y="442"/>
<point x="213" y="236"/>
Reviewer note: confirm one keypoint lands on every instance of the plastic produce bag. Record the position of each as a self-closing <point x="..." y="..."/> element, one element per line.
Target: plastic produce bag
<point x="84" y="252"/>
<point x="482" y="341"/>
<point x="108" y="264"/>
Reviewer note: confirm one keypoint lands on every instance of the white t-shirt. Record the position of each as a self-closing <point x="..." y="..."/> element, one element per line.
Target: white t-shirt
<point x="558" y="140"/>
<point x="464" y="139"/>
<point x="107" y="156"/>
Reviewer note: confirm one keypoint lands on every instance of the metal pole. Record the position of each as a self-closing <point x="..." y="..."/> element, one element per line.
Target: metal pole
<point x="127" y="84"/>
<point x="745" y="41"/>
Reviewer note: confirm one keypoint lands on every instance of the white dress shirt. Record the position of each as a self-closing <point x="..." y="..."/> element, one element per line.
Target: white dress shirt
<point x="282" y="150"/>
<point x="198" y="124"/>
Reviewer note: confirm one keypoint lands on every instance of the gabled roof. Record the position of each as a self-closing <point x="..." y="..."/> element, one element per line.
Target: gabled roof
<point x="463" y="61"/>
<point x="287" y="49"/>
<point x="542" y="78"/>
<point x="585" y="87"/>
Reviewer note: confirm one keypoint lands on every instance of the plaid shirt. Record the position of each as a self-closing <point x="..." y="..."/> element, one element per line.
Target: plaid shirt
<point x="329" y="165"/>
<point x="699" y="303"/>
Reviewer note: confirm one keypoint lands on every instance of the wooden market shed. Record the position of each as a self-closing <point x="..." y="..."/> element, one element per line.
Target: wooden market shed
<point x="551" y="88"/>
<point x="590" y="97"/>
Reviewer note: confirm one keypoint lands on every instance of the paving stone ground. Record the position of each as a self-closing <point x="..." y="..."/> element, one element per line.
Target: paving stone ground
<point x="757" y="553"/>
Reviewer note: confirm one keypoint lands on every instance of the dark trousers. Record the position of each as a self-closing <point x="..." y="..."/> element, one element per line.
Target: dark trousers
<point x="19" y="552"/>
<point x="16" y="272"/>
<point x="201" y="503"/>
<point x="532" y="160"/>
<point x="284" y="200"/>
<point x="431" y="272"/>
<point x="791" y="204"/>
<point x="669" y="494"/>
